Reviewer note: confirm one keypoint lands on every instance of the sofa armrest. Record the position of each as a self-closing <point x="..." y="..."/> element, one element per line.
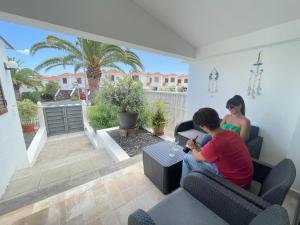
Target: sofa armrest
<point x="254" y="199"/>
<point x="254" y="146"/>
<point x="261" y="170"/>
<point x="234" y="209"/>
<point x="187" y="125"/>
<point x="140" y="217"/>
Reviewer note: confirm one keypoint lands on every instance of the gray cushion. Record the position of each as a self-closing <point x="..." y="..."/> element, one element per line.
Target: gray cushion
<point x="275" y="215"/>
<point x="182" y="208"/>
<point x="255" y="187"/>
<point x="191" y="134"/>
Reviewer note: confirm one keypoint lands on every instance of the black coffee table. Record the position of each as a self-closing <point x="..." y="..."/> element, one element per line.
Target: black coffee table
<point x="163" y="170"/>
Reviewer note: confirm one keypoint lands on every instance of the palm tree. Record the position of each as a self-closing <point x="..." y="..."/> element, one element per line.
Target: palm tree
<point x="89" y="55"/>
<point x="24" y="76"/>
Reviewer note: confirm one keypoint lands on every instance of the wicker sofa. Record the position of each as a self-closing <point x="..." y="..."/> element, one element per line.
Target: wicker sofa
<point x="270" y="183"/>
<point x="201" y="200"/>
<point x="188" y="130"/>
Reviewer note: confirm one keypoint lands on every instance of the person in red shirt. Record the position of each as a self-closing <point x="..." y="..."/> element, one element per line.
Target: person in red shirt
<point x="225" y="155"/>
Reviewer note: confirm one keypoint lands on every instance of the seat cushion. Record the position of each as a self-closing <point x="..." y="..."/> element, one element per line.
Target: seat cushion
<point x="255" y="187"/>
<point x="181" y="208"/>
<point x="191" y="134"/>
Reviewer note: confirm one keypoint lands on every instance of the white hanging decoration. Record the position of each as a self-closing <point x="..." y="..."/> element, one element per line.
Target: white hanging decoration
<point x="213" y="82"/>
<point x="254" y="84"/>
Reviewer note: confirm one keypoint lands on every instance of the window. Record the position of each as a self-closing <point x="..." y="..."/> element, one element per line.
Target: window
<point x="135" y="77"/>
<point x="112" y="78"/>
<point x="179" y="81"/>
<point x="3" y="103"/>
<point x="79" y="81"/>
<point x="172" y="80"/>
<point x="185" y="81"/>
<point x="65" y="81"/>
<point x="166" y="80"/>
<point x="156" y="79"/>
<point x="150" y="80"/>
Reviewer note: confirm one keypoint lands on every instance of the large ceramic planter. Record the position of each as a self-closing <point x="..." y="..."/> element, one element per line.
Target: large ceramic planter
<point x="128" y="120"/>
<point x="28" y="128"/>
<point x="158" y="131"/>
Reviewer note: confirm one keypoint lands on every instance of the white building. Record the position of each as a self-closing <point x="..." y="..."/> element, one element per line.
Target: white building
<point x="13" y="154"/>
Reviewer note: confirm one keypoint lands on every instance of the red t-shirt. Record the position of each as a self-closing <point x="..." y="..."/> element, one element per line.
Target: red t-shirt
<point x="230" y="154"/>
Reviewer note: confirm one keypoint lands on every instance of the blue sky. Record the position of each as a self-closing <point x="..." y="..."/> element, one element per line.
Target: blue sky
<point x="23" y="37"/>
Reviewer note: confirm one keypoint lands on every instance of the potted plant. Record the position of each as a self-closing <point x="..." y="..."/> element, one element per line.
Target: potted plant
<point x="158" y="119"/>
<point x="27" y="111"/>
<point x="128" y="96"/>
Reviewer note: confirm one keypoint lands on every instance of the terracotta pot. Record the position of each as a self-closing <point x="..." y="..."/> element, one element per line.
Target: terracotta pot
<point x="28" y="128"/>
<point x="159" y="131"/>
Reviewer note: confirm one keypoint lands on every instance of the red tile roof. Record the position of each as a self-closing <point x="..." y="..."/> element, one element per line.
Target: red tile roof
<point x="114" y="72"/>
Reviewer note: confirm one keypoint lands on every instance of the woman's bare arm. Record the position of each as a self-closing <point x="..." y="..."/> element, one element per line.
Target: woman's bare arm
<point x="223" y="120"/>
<point x="245" y="128"/>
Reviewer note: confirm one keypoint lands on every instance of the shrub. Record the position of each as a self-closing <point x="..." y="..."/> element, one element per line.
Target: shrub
<point x="158" y="118"/>
<point x="102" y="115"/>
<point x="144" y="116"/>
<point x="126" y="94"/>
<point x="74" y="98"/>
<point x="50" y="89"/>
<point x="33" y="96"/>
<point x="27" y="111"/>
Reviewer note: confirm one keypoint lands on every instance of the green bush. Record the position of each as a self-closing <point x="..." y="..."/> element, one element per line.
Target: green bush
<point x="144" y="116"/>
<point x="102" y="115"/>
<point x="126" y="94"/>
<point x="33" y="96"/>
<point x="50" y="89"/>
<point x="158" y="118"/>
<point x="27" y="111"/>
<point x="74" y="98"/>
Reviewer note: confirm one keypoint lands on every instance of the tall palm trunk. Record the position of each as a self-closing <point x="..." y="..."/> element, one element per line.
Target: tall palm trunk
<point x="94" y="76"/>
<point x="17" y="92"/>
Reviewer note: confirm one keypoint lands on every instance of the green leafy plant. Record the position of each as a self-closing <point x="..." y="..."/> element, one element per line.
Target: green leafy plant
<point x="32" y="96"/>
<point x="144" y="116"/>
<point x="86" y="54"/>
<point x="50" y="89"/>
<point x="102" y="115"/>
<point x="27" y="111"/>
<point x="126" y="94"/>
<point x="158" y="118"/>
<point x="74" y="98"/>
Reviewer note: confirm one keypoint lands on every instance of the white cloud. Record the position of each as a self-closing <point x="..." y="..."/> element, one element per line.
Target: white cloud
<point x="24" y="51"/>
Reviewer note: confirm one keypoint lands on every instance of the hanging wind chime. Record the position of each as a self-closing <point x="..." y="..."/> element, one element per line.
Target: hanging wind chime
<point x="213" y="82"/>
<point x="254" y="85"/>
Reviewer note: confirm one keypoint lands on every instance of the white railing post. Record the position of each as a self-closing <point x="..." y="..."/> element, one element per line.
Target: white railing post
<point x="41" y="115"/>
<point x="56" y="93"/>
<point x="84" y="111"/>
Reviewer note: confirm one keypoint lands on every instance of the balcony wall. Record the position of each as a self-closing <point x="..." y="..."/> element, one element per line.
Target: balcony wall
<point x="277" y="110"/>
<point x="175" y="107"/>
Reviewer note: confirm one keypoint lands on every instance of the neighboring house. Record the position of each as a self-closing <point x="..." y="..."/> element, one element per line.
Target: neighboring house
<point x="150" y="81"/>
<point x="13" y="154"/>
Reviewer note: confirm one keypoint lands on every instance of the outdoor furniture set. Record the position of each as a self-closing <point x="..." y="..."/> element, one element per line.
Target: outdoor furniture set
<point x="205" y="198"/>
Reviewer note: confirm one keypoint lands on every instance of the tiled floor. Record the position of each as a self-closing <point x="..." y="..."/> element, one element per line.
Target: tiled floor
<point x="63" y="158"/>
<point x="105" y="201"/>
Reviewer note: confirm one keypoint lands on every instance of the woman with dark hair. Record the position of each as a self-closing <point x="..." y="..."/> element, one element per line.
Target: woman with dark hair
<point x="236" y="120"/>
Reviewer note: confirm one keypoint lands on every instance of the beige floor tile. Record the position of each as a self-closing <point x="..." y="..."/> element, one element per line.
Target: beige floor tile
<point x="57" y="214"/>
<point x="78" y="220"/>
<point x="110" y="218"/>
<point x="39" y="218"/>
<point x="23" y="185"/>
<point x="54" y="175"/>
<point x="124" y="211"/>
<point x="16" y="215"/>
<point x="72" y="208"/>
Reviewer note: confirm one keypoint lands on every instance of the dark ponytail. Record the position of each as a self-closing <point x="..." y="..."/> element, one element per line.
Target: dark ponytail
<point x="237" y="100"/>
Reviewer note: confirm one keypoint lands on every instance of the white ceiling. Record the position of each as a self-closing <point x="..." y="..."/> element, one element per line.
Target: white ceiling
<point x="203" y="22"/>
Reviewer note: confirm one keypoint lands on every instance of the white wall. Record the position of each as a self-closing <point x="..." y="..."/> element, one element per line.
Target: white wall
<point x="12" y="146"/>
<point x="276" y="111"/>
